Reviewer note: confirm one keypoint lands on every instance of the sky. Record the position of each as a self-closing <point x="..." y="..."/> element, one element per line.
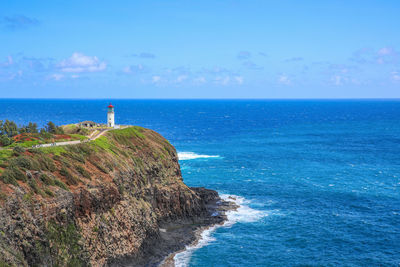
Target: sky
<point x="199" y="49"/>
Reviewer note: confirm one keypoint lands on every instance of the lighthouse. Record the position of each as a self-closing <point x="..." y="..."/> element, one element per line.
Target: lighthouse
<point x="110" y="116"/>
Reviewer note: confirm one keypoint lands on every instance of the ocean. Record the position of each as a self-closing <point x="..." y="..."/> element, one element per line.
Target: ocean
<point x="318" y="181"/>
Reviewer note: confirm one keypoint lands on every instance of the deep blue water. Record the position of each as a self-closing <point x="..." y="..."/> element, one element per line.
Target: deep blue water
<point x="319" y="180"/>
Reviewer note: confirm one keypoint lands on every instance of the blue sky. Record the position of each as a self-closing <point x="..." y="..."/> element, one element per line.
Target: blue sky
<point x="200" y="49"/>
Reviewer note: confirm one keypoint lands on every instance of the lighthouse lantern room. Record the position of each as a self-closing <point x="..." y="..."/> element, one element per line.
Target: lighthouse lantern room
<point x="110" y="116"/>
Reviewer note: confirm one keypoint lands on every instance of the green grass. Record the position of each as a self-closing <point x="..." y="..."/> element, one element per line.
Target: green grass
<point x="25" y="143"/>
<point x="5" y="155"/>
<point x="103" y="143"/>
<point x="78" y="137"/>
<point x="134" y="131"/>
<point x="55" y="150"/>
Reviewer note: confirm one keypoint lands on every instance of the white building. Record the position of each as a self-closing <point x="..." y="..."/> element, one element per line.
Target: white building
<point x="110" y="116"/>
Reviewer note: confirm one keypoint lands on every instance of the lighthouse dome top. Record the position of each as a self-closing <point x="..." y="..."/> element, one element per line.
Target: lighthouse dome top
<point x="110" y="106"/>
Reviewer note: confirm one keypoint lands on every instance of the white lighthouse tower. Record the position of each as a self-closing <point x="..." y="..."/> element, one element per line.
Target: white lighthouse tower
<point x="110" y="116"/>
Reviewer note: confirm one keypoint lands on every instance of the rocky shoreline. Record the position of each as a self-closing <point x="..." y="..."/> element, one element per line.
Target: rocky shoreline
<point x="174" y="236"/>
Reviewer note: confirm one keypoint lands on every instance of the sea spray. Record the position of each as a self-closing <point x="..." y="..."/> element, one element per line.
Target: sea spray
<point x="243" y="214"/>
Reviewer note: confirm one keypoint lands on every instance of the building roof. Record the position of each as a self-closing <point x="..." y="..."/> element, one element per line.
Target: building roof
<point x="110" y="106"/>
<point x="87" y="122"/>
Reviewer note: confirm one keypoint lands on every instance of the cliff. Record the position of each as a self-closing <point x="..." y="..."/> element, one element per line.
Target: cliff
<point x="117" y="200"/>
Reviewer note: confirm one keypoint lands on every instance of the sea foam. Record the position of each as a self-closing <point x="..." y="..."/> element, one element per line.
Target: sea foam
<point x="192" y="155"/>
<point x="243" y="214"/>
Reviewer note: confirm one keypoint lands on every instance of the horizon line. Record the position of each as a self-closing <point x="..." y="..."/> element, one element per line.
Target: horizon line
<point x="183" y="99"/>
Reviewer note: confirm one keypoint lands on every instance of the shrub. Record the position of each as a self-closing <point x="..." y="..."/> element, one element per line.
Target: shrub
<point x="22" y="162"/>
<point x="61" y="184"/>
<point x="46" y="179"/>
<point x="46" y="163"/>
<point x="82" y="171"/>
<point x="76" y="156"/>
<point x="8" y="178"/>
<point x="99" y="166"/>
<point x="71" y="180"/>
<point x="3" y="197"/>
<point x="35" y="187"/>
<point x="18" y="150"/>
<point x="5" y="140"/>
<point x="65" y="244"/>
<point x="11" y="174"/>
<point x="25" y="163"/>
<point x="49" y="192"/>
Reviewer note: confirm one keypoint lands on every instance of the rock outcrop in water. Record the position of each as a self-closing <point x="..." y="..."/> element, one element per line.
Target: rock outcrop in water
<point x="119" y="200"/>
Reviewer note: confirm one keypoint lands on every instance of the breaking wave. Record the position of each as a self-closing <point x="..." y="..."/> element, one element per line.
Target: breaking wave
<point x="192" y="155"/>
<point x="243" y="214"/>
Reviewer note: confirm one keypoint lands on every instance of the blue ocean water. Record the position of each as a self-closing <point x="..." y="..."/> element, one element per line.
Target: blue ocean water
<point x="318" y="180"/>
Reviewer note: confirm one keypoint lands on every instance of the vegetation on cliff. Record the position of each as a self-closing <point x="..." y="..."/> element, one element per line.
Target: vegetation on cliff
<point x="90" y="203"/>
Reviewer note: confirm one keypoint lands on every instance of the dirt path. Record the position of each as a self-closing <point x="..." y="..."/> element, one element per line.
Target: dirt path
<point x="96" y="134"/>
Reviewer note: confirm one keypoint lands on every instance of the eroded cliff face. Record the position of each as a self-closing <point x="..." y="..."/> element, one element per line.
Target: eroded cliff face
<point x="97" y="203"/>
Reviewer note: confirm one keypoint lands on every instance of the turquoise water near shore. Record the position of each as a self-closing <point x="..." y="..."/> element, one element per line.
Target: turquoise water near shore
<point x="318" y="180"/>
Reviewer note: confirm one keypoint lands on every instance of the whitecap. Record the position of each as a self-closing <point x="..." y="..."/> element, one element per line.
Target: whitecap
<point x="192" y="155"/>
<point x="243" y="214"/>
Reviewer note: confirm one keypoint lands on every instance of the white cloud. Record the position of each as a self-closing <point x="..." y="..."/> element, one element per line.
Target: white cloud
<point x="155" y="79"/>
<point x="337" y="80"/>
<point x="134" y="69"/>
<point x="284" y="79"/>
<point x="78" y="62"/>
<point x="222" y="80"/>
<point x="9" y="61"/>
<point x="239" y="79"/>
<point x="387" y="55"/>
<point x="181" y="78"/>
<point x="200" y="79"/>
<point x="395" y="76"/>
<point x="15" y="75"/>
<point x="385" y="51"/>
<point x="56" y="77"/>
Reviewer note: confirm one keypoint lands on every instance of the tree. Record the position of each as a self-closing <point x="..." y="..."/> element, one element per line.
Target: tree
<point x="31" y="128"/>
<point x="22" y="129"/>
<point x="44" y="134"/>
<point x="10" y="128"/>
<point x="60" y="130"/>
<point x="51" y="127"/>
